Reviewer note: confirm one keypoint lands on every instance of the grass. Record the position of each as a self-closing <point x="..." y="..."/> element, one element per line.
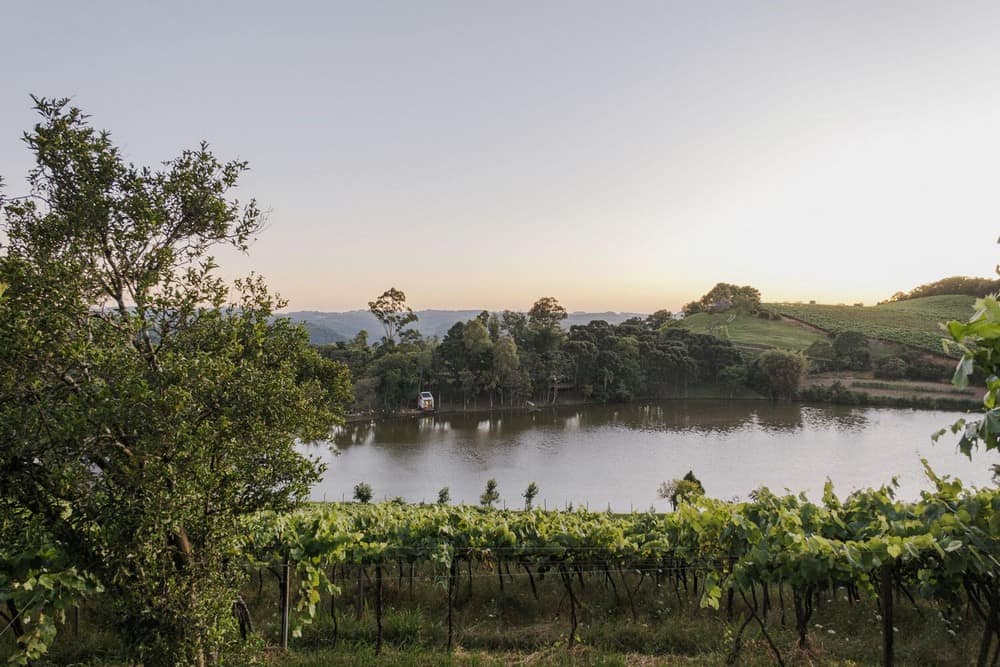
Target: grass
<point x="913" y="323"/>
<point x="494" y="627"/>
<point x="751" y="330"/>
<point x="911" y="388"/>
<point x="510" y="627"/>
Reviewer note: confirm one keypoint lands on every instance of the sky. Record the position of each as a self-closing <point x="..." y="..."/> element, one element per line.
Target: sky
<point x="617" y="155"/>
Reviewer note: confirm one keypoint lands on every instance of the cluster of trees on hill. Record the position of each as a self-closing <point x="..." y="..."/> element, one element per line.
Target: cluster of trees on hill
<point x="724" y="297"/>
<point x="510" y="357"/>
<point x="978" y="287"/>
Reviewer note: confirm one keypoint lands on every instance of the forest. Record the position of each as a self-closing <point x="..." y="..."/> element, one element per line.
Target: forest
<point x="505" y="359"/>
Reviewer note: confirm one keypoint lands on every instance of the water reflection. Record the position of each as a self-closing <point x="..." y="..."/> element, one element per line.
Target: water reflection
<point x="618" y="454"/>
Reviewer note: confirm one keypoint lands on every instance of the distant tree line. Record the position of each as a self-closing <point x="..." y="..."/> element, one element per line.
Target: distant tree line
<point x="508" y="358"/>
<point x="978" y="287"/>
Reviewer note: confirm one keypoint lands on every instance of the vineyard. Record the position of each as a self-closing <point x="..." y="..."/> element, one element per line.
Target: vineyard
<point x="766" y="562"/>
<point x="913" y="322"/>
<point x="761" y="568"/>
<point x="750" y="330"/>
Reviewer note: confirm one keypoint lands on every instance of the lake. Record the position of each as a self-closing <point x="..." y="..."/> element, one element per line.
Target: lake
<point x="617" y="455"/>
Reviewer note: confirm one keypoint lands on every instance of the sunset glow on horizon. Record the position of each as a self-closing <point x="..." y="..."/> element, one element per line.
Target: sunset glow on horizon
<point x="617" y="156"/>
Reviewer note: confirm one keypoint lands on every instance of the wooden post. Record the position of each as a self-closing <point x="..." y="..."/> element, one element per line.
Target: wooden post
<point x="378" y="608"/>
<point x="284" y="600"/>
<point x="452" y="576"/>
<point x="885" y="598"/>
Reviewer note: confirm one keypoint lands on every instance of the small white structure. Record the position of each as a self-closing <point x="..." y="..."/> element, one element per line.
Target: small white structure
<point x="425" y="401"/>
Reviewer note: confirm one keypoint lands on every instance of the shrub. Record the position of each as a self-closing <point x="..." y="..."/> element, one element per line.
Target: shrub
<point x="891" y="368"/>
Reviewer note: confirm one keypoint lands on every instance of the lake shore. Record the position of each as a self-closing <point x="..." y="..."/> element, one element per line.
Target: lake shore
<point x="831" y="388"/>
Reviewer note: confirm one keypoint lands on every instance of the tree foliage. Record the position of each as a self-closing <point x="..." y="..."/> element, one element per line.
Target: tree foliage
<point x="778" y="373"/>
<point x="978" y="341"/>
<point x="391" y="310"/>
<point x="490" y="494"/>
<point x="726" y="296"/>
<point x="978" y="287"/>
<point x="145" y="406"/>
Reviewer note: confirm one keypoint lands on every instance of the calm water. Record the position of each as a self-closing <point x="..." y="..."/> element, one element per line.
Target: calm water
<point x="618" y="455"/>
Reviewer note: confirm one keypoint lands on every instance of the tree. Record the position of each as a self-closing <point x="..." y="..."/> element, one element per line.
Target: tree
<point x="724" y="296"/>
<point x="851" y="350"/>
<point x="546" y="313"/>
<point x="529" y="495"/>
<point x="891" y="368"/>
<point x="979" y="287"/>
<point x="821" y="356"/>
<point x="506" y="365"/>
<point x="391" y="310"/>
<point x="516" y="325"/>
<point x="660" y="318"/>
<point x="444" y="496"/>
<point x="779" y="372"/>
<point x="681" y="490"/>
<point x="146" y="407"/>
<point x="490" y="495"/>
<point x="733" y="377"/>
<point x="546" y="337"/>
<point x="363" y="492"/>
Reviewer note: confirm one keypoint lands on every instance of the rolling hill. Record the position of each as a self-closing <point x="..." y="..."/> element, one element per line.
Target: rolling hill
<point x="913" y="322"/>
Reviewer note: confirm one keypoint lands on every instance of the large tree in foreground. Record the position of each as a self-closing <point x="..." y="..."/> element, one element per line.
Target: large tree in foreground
<point x="144" y="405"/>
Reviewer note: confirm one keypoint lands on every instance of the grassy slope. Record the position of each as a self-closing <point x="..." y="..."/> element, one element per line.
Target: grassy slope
<point x="913" y="322"/>
<point x="750" y="330"/>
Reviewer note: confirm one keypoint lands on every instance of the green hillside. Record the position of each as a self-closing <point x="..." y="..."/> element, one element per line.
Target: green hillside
<point x="752" y="331"/>
<point x="913" y="322"/>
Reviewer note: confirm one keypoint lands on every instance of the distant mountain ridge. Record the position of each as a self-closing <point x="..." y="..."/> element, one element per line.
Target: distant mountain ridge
<point x="326" y="327"/>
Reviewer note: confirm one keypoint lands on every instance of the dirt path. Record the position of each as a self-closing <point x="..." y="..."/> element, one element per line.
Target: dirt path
<point x="803" y="325"/>
<point x="896" y="388"/>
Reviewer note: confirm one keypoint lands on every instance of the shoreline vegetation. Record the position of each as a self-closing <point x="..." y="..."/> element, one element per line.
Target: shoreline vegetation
<point x="840" y="391"/>
<point x="728" y="345"/>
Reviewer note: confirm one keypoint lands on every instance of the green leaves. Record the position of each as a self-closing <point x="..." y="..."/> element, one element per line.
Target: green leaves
<point x="939" y="541"/>
<point x="139" y="389"/>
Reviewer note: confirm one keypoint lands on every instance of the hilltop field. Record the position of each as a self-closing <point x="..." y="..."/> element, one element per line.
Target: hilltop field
<point x="913" y="323"/>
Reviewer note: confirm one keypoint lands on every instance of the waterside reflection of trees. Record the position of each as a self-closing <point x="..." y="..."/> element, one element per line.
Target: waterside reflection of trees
<point x="704" y="417"/>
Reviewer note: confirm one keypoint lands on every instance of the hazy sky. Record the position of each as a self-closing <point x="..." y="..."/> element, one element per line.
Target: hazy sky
<point x="617" y="155"/>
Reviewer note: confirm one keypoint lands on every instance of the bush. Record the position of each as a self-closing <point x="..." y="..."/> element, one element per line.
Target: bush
<point x="891" y="368"/>
<point x="821" y="356"/>
<point x="851" y="348"/>
<point x="928" y="371"/>
<point x="778" y="373"/>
